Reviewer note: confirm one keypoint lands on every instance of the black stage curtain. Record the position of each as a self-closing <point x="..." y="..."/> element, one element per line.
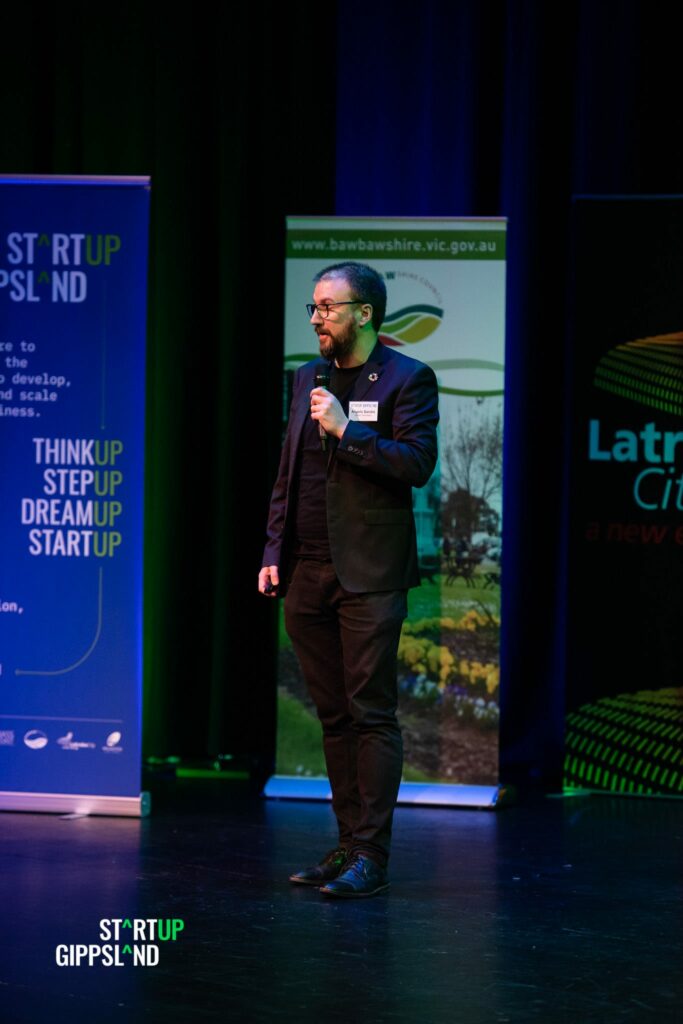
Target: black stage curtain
<point x="510" y="109"/>
<point x="242" y="116"/>
<point x="220" y="105"/>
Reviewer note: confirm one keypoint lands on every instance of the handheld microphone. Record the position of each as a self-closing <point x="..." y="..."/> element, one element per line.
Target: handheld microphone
<point x="322" y="380"/>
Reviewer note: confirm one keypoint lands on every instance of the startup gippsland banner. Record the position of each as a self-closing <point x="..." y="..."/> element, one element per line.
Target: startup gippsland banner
<point x="446" y="306"/>
<point x="73" y="275"/>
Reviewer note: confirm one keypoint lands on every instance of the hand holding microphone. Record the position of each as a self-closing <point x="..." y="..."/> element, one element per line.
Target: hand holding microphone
<point x="326" y="409"/>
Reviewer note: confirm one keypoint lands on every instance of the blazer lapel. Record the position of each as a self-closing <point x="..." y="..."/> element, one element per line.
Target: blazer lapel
<point x="368" y="378"/>
<point x="298" y="412"/>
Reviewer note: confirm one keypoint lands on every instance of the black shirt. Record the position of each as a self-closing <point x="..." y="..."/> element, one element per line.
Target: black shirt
<point x="310" y="527"/>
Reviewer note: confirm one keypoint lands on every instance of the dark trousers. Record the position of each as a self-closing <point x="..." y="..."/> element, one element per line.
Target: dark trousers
<point x="346" y="645"/>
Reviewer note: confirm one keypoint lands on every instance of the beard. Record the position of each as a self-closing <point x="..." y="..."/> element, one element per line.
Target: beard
<point x="337" y="346"/>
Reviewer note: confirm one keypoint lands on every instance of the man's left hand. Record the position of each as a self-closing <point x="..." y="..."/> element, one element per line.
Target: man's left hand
<point x="326" y="410"/>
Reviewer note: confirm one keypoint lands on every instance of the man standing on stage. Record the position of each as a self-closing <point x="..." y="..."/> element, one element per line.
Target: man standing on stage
<point x="341" y="548"/>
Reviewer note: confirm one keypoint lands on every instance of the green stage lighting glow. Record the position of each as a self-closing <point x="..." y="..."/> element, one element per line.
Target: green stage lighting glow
<point x="642" y="757"/>
<point x="648" y="371"/>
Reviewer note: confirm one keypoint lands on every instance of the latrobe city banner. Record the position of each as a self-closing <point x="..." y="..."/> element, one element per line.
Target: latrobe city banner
<point x="73" y="272"/>
<point x="446" y="303"/>
<point x="624" y="725"/>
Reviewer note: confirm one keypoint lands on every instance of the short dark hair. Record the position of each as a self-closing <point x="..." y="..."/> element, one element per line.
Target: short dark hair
<point x="366" y="285"/>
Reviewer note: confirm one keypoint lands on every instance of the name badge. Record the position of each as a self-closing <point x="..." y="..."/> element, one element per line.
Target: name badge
<point x="366" y="412"/>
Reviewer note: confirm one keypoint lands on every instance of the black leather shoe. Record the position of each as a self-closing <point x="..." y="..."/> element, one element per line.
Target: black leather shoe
<point x="361" y="877"/>
<point x="328" y="868"/>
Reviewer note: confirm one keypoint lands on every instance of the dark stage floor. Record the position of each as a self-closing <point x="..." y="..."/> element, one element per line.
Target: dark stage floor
<point x="558" y="910"/>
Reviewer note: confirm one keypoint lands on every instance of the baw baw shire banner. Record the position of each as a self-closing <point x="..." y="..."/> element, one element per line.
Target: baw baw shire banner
<point x="624" y="723"/>
<point x="446" y="307"/>
<point x="73" y="277"/>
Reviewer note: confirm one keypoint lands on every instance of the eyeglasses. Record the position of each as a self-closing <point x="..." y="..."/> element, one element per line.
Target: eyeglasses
<point x="324" y="309"/>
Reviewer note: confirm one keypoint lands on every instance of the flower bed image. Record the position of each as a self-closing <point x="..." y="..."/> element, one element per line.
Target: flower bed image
<point x="448" y="680"/>
<point x="453" y="665"/>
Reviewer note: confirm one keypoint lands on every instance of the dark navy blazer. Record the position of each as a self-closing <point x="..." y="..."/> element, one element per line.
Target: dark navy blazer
<point x="370" y="474"/>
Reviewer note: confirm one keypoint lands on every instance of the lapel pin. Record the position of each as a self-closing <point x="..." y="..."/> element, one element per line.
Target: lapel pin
<point x="373" y="376"/>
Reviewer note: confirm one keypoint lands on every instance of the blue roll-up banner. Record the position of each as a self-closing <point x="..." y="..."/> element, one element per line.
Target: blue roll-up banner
<point x="73" y="282"/>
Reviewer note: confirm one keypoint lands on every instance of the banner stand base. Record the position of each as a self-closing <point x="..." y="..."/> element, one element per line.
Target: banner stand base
<point x="294" y="787"/>
<point x="76" y="803"/>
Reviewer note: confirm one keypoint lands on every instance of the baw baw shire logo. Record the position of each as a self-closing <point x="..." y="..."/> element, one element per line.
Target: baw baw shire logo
<point x="124" y="942"/>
